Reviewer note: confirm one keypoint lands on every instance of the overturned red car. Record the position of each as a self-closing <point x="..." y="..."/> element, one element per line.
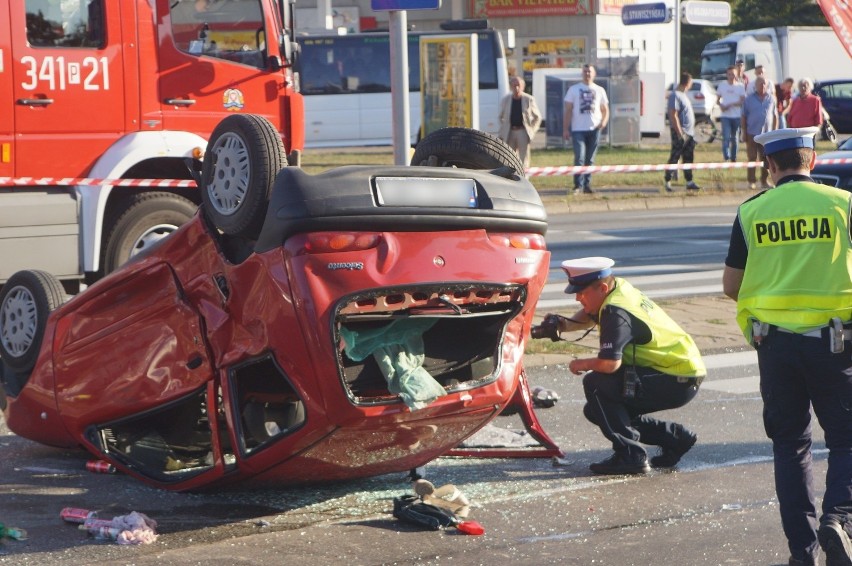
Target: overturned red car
<point x="299" y="328"/>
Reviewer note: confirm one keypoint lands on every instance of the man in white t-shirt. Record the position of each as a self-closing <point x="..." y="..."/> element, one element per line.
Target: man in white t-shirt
<point x="731" y="98"/>
<point x="586" y="113"/>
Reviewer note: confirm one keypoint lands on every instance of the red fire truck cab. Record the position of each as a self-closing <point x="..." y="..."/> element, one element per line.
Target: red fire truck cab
<point x="125" y="89"/>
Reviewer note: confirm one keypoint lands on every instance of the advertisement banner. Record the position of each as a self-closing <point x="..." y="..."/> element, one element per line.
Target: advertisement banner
<point x="839" y="15"/>
<point x="614" y="6"/>
<point x="561" y="53"/>
<point x="449" y="82"/>
<point x="527" y="8"/>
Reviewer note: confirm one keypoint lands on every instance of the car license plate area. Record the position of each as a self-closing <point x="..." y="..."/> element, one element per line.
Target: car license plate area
<point x="426" y="192"/>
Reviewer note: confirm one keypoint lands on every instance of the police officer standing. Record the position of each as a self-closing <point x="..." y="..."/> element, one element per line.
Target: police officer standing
<point x="789" y="267"/>
<point x="646" y="363"/>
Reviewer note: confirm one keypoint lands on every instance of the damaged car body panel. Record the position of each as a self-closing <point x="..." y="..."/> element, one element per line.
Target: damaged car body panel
<point x="363" y="331"/>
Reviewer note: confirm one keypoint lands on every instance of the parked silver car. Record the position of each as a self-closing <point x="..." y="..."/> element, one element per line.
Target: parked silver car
<point x="705" y="105"/>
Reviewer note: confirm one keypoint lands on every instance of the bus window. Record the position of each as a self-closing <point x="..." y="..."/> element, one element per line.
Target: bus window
<point x="351" y="64"/>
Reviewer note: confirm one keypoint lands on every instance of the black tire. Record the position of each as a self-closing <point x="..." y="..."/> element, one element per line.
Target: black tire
<point x="28" y="297"/>
<point x="465" y="148"/>
<point x="149" y="218"/>
<point x="705" y="130"/>
<point x="243" y="156"/>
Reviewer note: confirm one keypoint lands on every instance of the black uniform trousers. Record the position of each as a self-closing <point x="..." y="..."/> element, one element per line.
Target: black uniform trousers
<point x="625" y="422"/>
<point x="797" y="372"/>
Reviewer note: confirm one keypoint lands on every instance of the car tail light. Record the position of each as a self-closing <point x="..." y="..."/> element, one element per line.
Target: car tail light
<point x="699" y="96"/>
<point x="519" y="241"/>
<point x="325" y="242"/>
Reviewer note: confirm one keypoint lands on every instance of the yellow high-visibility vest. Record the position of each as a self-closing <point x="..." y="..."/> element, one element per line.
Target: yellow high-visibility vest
<point x="671" y="350"/>
<point x="798" y="275"/>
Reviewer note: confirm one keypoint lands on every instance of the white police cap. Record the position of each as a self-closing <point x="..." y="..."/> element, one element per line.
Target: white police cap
<point x="786" y="138"/>
<point x="586" y="270"/>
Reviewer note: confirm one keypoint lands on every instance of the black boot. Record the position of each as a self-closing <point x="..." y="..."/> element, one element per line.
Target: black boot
<point x="671" y="455"/>
<point x="622" y="463"/>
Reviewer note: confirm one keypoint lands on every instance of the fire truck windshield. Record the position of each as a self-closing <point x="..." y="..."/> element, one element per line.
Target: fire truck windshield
<point x="232" y="30"/>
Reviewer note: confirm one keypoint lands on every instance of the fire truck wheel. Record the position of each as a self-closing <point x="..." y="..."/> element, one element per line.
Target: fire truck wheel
<point x="28" y="297"/>
<point x="149" y="218"/>
<point x="465" y="148"/>
<point x="243" y="157"/>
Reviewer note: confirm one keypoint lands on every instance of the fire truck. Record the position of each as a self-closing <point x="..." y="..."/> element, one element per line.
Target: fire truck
<point x="103" y="96"/>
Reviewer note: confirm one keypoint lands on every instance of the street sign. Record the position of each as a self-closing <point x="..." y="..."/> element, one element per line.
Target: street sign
<point x="706" y="13"/>
<point x="656" y="13"/>
<point x="386" y="5"/>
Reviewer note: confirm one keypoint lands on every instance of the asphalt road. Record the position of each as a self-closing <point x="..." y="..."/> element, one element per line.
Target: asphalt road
<point x="717" y="508"/>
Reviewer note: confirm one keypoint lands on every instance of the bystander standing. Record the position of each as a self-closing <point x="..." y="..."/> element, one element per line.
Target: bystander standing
<point x="783" y="96"/>
<point x="739" y="70"/>
<point x="682" y="123"/>
<point x="759" y="72"/>
<point x="731" y="97"/>
<point x="759" y="117"/>
<point x="805" y="108"/>
<point x="520" y="119"/>
<point x="586" y="113"/>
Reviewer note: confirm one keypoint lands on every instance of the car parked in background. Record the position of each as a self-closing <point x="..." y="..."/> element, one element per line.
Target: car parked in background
<point x="836" y="98"/>
<point x="705" y="105"/>
<point x="835" y="174"/>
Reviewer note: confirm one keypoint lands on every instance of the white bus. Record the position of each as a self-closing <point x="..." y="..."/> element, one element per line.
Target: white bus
<point x="345" y="80"/>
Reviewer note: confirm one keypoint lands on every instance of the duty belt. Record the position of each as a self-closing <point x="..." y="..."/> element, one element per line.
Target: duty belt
<point x="836" y="331"/>
<point x="818" y="332"/>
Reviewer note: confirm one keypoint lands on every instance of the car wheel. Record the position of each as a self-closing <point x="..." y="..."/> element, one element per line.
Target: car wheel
<point x="705" y="130"/>
<point x="243" y="156"/>
<point x="149" y="218"/>
<point x="28" y="297"/>
<point x="465" y="148"/>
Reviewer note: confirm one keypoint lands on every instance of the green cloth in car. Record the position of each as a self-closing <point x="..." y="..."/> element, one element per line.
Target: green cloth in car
<point x="398" y="350"/>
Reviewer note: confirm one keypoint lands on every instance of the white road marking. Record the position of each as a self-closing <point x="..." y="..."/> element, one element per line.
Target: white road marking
<point x="736" y="385"/>
<point x="734" y="359"/>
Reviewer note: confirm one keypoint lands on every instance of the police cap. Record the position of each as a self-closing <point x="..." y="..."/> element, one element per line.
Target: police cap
<point x="586" y="270"/>
<point x="786" y="138"/>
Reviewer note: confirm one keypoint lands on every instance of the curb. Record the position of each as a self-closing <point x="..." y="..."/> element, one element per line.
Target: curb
<point x="569" y="205"/>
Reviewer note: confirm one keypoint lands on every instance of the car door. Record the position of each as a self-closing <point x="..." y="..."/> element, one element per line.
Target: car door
<point x="67" y="66"/>
<point x="214" y="61"/>
<point x="132" y="347"/>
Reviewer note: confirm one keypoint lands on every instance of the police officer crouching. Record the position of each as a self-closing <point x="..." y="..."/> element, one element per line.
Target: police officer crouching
<point x="789" y="267"/>
<point x="646" y="363"/>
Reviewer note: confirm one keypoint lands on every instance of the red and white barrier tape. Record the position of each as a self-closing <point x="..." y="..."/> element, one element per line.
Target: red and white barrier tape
<point x="531" y="172"/>
<point x="72" y="181"/>
<point x="570" y="170"/>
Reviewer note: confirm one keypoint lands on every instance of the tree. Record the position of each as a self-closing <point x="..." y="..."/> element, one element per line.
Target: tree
<point x="751" y="14"/>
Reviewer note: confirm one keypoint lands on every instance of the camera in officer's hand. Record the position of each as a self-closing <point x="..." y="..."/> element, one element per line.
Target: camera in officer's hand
<point x="549" y="328"/>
